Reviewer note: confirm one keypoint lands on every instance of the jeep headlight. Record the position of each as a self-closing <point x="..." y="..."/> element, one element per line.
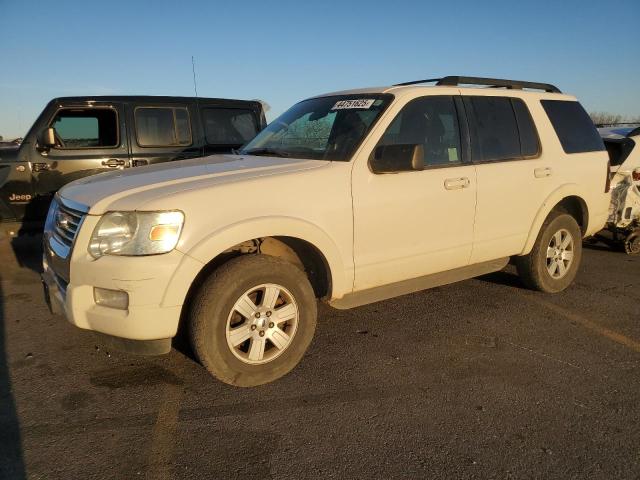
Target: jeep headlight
<point x="136" y="233"/>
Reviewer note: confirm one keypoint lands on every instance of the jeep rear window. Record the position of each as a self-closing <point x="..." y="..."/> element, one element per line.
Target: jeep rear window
<point x="574" y="128"/>
<point x="163" y="126"/>
<point x="229" y="126"/>
<point x="323" y="128"/>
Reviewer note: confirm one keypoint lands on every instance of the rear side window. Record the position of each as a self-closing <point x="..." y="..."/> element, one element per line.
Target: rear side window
<point x="86" y="128"/>
<point x="229" y="126"/>
<point x="574" y="128"/>
<point x="163" y="126"/>
<point x="502" y="129"/>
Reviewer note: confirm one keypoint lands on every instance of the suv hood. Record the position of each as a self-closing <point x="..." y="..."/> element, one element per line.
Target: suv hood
<point x="98" y="192"/>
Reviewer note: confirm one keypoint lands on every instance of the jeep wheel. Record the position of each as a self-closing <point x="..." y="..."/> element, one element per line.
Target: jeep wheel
<point x="553" y="262"/>
<point x="252" y="320"/>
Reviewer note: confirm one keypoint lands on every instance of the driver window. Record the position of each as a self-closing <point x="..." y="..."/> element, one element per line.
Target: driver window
<point x="431" y="122"/>
<point x="86" y="128"/>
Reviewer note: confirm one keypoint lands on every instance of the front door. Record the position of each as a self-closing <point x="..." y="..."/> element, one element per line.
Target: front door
<point x="415" y="223"/>
<point x="90" y="139"/>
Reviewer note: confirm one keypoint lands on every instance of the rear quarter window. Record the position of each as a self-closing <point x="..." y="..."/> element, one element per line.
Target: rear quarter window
<point x="575" y="130"/>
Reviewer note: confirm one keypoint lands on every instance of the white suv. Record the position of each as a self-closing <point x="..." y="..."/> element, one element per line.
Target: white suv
<point x="351" y="197"/>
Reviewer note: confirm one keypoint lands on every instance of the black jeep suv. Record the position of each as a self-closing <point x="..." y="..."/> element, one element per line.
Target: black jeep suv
<point x="79" y="136"/>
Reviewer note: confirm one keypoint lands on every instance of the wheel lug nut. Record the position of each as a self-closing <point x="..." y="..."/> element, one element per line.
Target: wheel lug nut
<point x="269" y="313"/>
<point x="257" y="315"/>
<point x="271" y="324"/>
<point x="253" y="327"/>
<point x="262" y="333"/>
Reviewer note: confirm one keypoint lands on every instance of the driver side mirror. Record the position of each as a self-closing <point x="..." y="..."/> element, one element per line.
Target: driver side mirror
<point x="397" y="158"/>
<point x="47" y="138"/>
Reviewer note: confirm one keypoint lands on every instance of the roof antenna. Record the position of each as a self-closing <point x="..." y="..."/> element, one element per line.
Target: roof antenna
<point x="193" y="68"/>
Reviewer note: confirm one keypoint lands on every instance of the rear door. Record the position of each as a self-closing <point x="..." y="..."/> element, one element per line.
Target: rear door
<point x="90" y="139"/>
<point x="514" y="175"/>
<point x="227" y="127"/>
<point x="163" y="132"/>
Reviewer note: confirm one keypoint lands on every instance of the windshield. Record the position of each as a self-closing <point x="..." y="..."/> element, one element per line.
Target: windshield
<point x="325" y="128"/>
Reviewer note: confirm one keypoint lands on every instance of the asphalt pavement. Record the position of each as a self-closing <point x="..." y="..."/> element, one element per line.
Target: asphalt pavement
<point x="480" y="379"/>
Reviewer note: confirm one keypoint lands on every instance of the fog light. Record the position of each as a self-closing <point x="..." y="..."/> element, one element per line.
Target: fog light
<point x="111" y="298"/>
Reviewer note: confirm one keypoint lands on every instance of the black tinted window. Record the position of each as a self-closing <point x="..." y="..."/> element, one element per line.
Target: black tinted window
<point x="86" y="128"/>
<point x="529" y="142"/>
<point x="162" y="126"/>
<point x="431" y="122"/>
<point x="574" y="128"/>
<point x="229" y="126"/>
<point x="495" y="136"/>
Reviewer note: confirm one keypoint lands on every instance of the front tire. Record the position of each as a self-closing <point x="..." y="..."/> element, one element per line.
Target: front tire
<point x="252" y="320"/>
<point x="553" y="263"/>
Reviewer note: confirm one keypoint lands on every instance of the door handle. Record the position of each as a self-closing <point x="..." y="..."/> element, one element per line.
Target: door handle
<point x="543" y="172"/>
<point x="113" y="163"/>
<point x="456" y="183"/>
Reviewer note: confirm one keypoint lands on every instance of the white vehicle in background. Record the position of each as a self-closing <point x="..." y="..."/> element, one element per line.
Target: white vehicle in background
<point x="351" y="197"/>
<point x="624" y="213"/>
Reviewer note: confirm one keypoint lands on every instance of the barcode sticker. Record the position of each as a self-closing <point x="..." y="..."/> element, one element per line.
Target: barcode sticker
<point x="362" y="103"/>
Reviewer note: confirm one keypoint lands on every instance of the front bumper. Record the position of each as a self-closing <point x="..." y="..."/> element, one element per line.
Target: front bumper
<point x="141" y="321"/>
<point x="140" y="329"/>
<point x="56" y="300"/>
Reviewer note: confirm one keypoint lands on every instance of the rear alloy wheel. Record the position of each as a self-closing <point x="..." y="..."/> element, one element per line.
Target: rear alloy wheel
<point x="553" y="262"/>
<point x="253" y="319"/>
<point x="560" y="254"/>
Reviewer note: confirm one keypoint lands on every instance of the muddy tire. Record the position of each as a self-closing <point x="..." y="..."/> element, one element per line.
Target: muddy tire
<point x="252" y="320"/>
<point x="553" y="263"/>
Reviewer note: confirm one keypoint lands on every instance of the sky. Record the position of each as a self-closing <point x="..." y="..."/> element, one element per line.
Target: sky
<point x="284" y="51"/>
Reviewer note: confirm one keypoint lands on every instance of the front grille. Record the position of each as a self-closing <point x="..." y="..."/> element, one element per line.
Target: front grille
<point x="66" y="223"/>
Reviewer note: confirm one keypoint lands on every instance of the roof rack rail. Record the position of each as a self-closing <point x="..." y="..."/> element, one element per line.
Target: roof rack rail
<point x="490" y="82"/>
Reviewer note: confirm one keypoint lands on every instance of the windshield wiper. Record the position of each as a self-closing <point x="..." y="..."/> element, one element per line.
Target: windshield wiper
<point x="265" y="151"/>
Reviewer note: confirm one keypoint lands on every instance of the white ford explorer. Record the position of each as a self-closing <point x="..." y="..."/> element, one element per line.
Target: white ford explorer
<point x="351" y="197"/>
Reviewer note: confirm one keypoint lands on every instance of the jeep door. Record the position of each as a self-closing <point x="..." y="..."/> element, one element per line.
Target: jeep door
<point x="90" y="138"/>
<point x="163" y="132"/>
<point x="414" y="223"/>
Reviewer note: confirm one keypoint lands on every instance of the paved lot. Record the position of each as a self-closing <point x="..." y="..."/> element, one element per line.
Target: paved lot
<point x="482" y="379"/>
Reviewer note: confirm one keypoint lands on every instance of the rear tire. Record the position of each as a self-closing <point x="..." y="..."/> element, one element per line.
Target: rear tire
<point x="553" y="263"/>
<point x="252" y="320"/>
<point x="632" y="243"/>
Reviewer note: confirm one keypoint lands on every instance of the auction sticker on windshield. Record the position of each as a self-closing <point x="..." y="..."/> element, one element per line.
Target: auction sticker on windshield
<point x="357" y="103"/>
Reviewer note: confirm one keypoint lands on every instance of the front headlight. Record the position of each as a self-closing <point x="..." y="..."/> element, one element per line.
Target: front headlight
<point x="136" y="233"/>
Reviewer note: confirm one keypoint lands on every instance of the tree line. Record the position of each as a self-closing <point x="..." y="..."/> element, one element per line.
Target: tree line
<point x="606" y="118"/>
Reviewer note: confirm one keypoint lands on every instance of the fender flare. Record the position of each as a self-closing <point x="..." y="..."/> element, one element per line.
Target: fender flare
<point x="564" y="191"/>
<point x="199" y="255"/>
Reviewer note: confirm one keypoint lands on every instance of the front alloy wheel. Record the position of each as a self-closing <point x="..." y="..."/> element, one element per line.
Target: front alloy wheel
<point x="252" y="320"/>
<point x="262" y="323"/>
